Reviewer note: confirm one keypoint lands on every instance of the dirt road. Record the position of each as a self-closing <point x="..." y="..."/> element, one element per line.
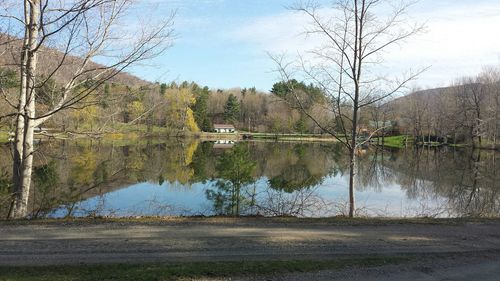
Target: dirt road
<point x="56" y="243"/>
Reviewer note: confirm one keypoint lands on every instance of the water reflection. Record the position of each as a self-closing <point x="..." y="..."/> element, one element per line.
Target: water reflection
<point x="469" y="180"/>
<point x="82" y="178"/>
<point x="235" y="172"/>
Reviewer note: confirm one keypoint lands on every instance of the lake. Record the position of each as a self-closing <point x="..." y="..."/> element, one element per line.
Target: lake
<point x="190" y="178"/>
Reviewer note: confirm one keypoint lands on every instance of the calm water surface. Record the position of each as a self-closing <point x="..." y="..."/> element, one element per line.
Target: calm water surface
<point x="184" y="178"/>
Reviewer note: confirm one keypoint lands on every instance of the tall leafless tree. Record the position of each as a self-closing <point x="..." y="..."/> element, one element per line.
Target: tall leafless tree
<point x="82" y="31"/>
<point x="490" y="79"/>
<point x="356" y="33"/>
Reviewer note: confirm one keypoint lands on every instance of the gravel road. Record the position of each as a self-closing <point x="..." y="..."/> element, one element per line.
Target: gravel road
<point x="58" y="243"/>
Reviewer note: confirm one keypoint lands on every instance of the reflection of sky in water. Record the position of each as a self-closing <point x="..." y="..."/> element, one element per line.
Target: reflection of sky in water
<point x="174" y="199"/>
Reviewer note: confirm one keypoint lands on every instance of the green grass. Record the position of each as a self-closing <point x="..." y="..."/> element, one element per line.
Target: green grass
<point x="395" y="141"/>
<point x="295" y="136"/>
<point x="182" y="271"/>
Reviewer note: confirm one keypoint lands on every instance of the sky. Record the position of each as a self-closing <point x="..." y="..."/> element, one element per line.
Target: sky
<point x="226" y="43"/>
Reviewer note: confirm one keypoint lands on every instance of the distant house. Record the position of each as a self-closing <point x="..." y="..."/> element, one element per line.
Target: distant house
<point x="224" y="144"/>
<point x="223" y="128"/>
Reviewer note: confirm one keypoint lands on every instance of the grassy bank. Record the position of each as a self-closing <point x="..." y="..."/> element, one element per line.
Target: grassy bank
<point x="402" y="140"/>
<point x="186" y="271"/>
<point x="294" y="137"/>
<point x="217" y="136"/>
<point x="394" y="141"/>
<point x="340" y="221"/>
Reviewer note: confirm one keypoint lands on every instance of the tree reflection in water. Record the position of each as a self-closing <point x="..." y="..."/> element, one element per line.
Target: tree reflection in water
<point x="467" y="180"/>
<point x="294" y="191"/>
<point x="266" y="178"/>
<point x="234" y="171"/>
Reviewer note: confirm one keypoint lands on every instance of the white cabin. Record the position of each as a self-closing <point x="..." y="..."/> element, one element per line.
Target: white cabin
<point x="223" y="128"/>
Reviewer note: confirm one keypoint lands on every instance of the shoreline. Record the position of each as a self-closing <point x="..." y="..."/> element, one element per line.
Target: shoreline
<point x="334" y="221"/>
<point x="132" y="136"/>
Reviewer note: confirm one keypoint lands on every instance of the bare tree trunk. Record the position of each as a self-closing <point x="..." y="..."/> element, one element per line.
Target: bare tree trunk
<point x="355" y="38"/>
<point x="238" y="201"/>
<point x="352" y="182"/>
<point x="19" y="133"/>
<point x="495" y="134"/>
<point x="384" y="121"/>
<point x="72" y="25"/>
<point x="23" y="161"/>
<point x="497" y="117"/>
<point x="352" y="155"/>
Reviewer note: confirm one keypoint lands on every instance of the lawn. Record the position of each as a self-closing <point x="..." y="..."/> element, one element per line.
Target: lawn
<point x="396" y="141"/>
<point x="185" y="271"/>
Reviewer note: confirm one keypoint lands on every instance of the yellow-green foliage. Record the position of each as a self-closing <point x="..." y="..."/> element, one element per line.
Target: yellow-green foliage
<point x="191" y="122"/>
<point x="85" y="118"/>
<point x="179" y="114"/>
<point x="179" y="163"/>
<point x="4" y="137"/>
<point x="135" y="109"/>
<point x="84" y="165"/>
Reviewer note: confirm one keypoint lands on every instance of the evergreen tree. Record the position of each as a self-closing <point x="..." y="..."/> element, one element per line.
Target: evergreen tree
<point x="200" y="109"/>
<point x="231" y="109"/>
<point x="298" y="94"/>
<point x="163" y="89"/>
<point x="300" y="125"/>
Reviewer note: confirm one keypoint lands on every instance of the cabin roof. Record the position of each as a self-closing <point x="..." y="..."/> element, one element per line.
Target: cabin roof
<point x="223" y="126"/>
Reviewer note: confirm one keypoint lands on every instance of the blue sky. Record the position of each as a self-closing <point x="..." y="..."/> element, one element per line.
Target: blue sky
<point x="224" y="43"/>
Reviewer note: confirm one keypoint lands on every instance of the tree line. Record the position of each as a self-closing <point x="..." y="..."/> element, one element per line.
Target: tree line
<point x="467" y="112"/>
<point x="177" y="107"/>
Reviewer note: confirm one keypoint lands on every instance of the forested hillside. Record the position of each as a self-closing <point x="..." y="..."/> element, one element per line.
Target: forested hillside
<point x="49" y="58"/>
<point x="126" y="102"/>
<point x="466" y="112"/>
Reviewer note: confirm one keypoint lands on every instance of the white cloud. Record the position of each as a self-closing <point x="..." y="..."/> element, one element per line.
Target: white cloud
<point x="461" y="39"/>
<point x="277" y="33"/>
